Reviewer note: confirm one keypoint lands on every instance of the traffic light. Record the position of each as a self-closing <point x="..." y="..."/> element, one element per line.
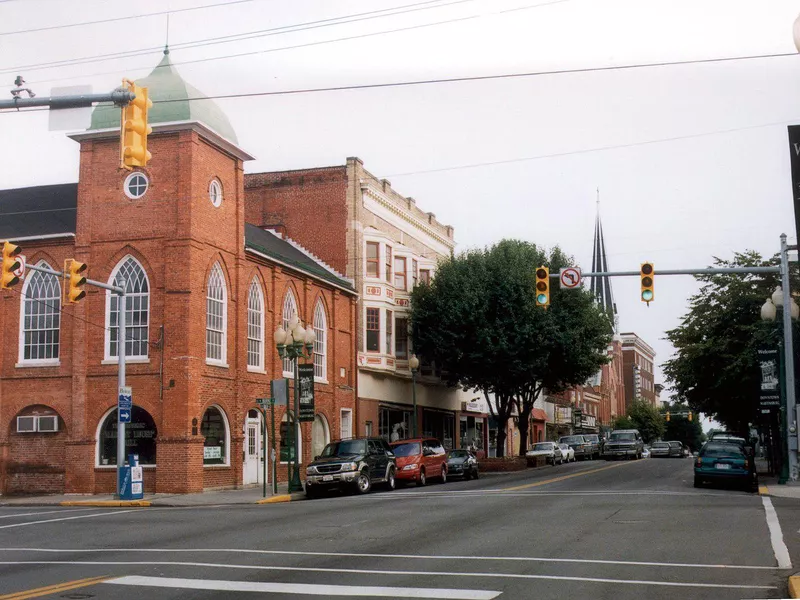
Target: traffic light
<point x="10" y="264"/>
<point x="134" y="128"/>
<point x="690" y="415"/>
<point x="74" y="291"/>
<point x="647" y="275"/>
<point x="667" y="416"/>
<point x="543" y="287"/>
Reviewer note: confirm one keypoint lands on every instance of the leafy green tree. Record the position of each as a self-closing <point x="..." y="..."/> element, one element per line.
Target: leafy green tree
<point x="715" y="369"/>
<point x="622" y="422"/>
<point x="479" y="322"/>
<point x="647" y="419"/>
<point x="680" y="428"/>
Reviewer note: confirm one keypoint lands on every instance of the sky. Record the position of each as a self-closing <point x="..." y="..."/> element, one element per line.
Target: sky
<point x="691" y="160"/>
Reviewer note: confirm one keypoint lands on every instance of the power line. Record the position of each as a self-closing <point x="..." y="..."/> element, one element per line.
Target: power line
<point x="111" y="20"/>
<point x="60" y="309"/>
<point x="374" y="14"/>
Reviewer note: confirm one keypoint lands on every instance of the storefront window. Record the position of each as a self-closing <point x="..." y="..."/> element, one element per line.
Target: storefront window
<point x="214" y="429"/>
<point x="439" y="425"/>
<point x="140" y="438"/>
<point x="394" y="424"/>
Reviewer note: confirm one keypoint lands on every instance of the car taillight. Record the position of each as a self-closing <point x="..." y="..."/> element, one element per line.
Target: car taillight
<point x="746" y="463"/>
<point x="699" y="462"/>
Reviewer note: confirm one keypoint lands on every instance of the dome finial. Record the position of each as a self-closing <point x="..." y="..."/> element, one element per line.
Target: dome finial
<point x="166" y="43"/>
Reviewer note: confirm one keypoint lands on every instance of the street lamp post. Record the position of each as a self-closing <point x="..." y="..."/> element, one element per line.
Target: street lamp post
<point x="295" y="344"/>
<point x="413" y="364"/>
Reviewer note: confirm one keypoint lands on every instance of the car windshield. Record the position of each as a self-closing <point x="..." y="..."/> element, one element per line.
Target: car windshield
<point x="592" y="438"/>
<point x="409" y="449"/>
<point x="544" y="446"/>
<point x="345" y="448"/>
<point x="661" y="445"/>
<point x="564" y="446"/>
<point x="720" y="450"/>
<point x="454" y="454"/>
<point x="623" y="437"/>
<point x="572" y="439"/>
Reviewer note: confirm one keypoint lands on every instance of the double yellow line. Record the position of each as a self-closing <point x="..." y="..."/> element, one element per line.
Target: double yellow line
<point x="54" y="589"/>
<point x="562" y="478"/>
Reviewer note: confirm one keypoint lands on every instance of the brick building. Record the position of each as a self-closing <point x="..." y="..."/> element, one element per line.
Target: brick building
<point x="382" y="240"/>
<point x="638" y="357"/>
<point x="205" y="290"/>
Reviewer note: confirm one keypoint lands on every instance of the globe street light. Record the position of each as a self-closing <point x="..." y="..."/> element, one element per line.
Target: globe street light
<point x="413" y="364"/>
<point x="293" y="344"/>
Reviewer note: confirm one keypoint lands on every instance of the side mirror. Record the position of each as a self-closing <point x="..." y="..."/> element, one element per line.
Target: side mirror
<point x="316" y="457"/>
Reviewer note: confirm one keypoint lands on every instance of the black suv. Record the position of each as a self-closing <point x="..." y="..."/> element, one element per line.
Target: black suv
<point x="355" y="464"/>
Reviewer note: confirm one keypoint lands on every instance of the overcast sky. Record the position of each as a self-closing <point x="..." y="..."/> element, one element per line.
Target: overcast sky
<point x="691" y="161"/>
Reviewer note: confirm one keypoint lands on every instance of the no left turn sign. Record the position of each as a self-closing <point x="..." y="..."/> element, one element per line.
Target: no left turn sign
<point x="570" y="278"/>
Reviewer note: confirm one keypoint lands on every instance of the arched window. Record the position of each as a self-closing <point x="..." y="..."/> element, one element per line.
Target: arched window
<point x="137" y="310"/>
<point x="287" y="448"/>
<point x="140" y="437"/>
<point x="41" y="318"/>
<point x="216" y="448"/>
<point x="320" y="434"/>
<point x="255" y="326"/>
<point x="216" y="317"/>
<point x="289" y="311"/>
<point x="320" y="358"/>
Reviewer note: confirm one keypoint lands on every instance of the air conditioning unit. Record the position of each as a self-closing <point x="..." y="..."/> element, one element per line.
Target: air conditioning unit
<point x="48" y="423"/>
<point x="26" y="424"/>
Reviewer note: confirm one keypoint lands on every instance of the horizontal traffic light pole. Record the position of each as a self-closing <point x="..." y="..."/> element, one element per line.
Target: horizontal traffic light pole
<point x="720" y="271"/>
<point x="100" y="284"/>
<point x="119" y="97"/>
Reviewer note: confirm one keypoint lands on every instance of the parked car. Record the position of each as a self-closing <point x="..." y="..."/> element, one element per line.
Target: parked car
<point x="420" y="459"/>
<point x="549" y="450"/>
<point x="582" y="448"/>
<point x="594" y="440"/>
<point x="623" y="443"/>
<point x="567" y="452"/>
<point x="686" y="452"/>
<point x="659" y="450"/>
<point x="355" y="464"/>
<point x="675" y="449"/>
<point x="462" y="463"/>
<point x="725" y="462"/>
<point x="646" y="452"/>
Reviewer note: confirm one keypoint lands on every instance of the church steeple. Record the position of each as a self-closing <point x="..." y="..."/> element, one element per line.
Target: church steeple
<point x="601" y="286"/>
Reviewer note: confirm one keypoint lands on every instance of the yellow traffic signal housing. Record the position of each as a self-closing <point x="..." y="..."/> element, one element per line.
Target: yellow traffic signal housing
<point x="74" y="291"/>
<point x="647" y="274"/>
<point x="10" y="264"/>
<point x="543" y="287"/>
<point x="134" y="128"/>
<point x="690" y="415"/>
<point x="668" y="416"/>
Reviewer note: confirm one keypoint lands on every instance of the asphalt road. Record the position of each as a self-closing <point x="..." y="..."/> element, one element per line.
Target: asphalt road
<point x="621" y="530"/>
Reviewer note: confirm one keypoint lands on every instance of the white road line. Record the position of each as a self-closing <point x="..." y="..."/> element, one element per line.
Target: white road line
<point x="501" y="493"/>
<point x="395" y="573"/>
<point x="776" y="535"/>
<point x="46" y="512"/>
<point x="103" y="514"/>
<point x="389" y="556"/>
<point x="308" y="589"/>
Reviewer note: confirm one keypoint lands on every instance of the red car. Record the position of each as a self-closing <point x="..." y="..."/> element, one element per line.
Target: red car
<point x="420" y="459"/>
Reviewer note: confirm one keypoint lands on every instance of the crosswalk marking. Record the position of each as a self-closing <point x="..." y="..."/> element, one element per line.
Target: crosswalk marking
<point x="308" y="589"/>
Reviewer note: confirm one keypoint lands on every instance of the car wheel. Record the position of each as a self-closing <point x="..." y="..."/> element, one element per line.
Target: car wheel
<point x="561" y="460"/>
<point x="363" y="483"/>
<point x="467" y="475"/>
<point x="697" y="482"/>
<point x="475" y="473"/>
<point x="444" y="474"/>
<point x="391" y="480"/>
<point x="311" y="492"/>
<point x="422" y="480"/>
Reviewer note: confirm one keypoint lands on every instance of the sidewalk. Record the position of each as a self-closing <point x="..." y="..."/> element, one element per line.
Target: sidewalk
<point x="768" y="484"/>
<point x="250" y="495"/>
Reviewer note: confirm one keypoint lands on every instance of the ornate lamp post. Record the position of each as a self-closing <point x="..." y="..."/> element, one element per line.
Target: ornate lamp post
<point x="295" y="344"/>
<point x="413" y="364"/>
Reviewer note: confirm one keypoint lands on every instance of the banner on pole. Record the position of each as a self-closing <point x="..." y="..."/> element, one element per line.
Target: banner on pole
<point x="794" y="160"/>
<point x="306" y="379"/>
<point x="769" y="400"/>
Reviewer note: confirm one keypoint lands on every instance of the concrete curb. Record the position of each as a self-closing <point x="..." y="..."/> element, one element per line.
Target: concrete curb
<point x="105" y="503"/>
<point x="282" y="498"/>
<point x="794" y="586"/>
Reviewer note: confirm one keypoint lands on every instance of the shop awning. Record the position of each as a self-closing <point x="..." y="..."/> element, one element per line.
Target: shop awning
<point x="538" y="415"/>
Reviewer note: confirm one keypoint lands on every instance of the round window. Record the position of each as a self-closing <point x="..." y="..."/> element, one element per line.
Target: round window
<point x="136" y="185"/>
<point x="215" y="192"/>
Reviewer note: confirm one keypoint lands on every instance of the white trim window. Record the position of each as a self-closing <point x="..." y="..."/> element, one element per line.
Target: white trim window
<point x="320" y="343"/>
<point x="215" y="193"/>
<point x="137" y="310"/>
<point x="216" y="317"/>
<point x="289" y="311"/>
<point x="41" y="318"/>
<point x="345" y="424"/>
<point x="255" y="327"/>
<point x="217" y="433"/>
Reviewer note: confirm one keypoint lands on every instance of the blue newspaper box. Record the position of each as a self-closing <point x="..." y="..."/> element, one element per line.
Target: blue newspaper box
<point x="131" y="482"/>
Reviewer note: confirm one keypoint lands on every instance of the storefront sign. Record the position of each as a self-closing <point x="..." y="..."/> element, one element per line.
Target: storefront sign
<point x="212" y="452"/>
<point x="473" y="406"/>
<point x="306" y="379"/>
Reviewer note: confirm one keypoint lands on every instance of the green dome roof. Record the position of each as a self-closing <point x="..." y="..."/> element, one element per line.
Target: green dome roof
<point x="164" y="83"/>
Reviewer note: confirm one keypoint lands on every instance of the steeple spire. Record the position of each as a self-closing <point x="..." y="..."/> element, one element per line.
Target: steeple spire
<point x="601" y="286"/>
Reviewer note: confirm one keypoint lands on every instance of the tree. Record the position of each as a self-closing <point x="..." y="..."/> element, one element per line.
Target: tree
<point x="479" y="322"/>
<point x="647" y="419"/>
<point x="622" y="422"/>
<point x="680" y="428"/>
<point x="715" y="369"/>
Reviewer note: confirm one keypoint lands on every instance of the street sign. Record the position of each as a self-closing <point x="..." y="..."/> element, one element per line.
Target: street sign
<point x="306" y="378"/>
<point x="20" y="272"/>
<point x="125" y="398"/>
<point x="570" y="278"/>
<point x="124" y="415"/>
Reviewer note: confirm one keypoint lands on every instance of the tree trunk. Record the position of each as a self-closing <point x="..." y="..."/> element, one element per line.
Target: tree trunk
<point x="524" y="425"/>
<point x="501" y="438"/>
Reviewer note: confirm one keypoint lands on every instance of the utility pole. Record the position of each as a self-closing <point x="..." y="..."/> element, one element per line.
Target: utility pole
<point x="119" y="97"/>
